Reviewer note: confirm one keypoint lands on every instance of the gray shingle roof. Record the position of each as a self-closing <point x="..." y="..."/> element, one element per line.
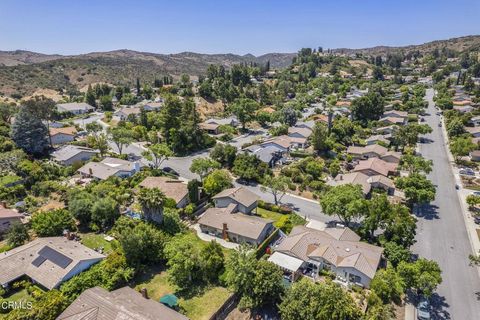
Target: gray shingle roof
<point x="50" y="271"/>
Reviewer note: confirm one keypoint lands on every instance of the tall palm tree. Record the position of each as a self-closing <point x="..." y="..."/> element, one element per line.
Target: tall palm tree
<point x="152" y="201"/>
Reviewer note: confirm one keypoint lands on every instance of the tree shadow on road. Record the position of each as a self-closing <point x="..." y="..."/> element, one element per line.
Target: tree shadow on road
<point x="427" y="212"/>
<point x="439" y="307"/>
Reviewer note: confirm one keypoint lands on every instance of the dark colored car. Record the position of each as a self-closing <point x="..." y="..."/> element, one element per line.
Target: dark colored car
<point x="170" y="171"/>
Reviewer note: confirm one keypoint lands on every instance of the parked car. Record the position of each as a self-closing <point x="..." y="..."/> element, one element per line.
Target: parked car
<point x="457" y="187"/>
<point x="476" y="219"/>
<point x="170" y="171"/>
<point x="467" y="172"/>
<point x="439" y="124"/>
<point x="423" y="310"/>
<point x="476" y="193"/>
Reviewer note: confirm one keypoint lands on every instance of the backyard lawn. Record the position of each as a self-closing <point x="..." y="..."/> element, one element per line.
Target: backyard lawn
<point x="94" y="241"/>
<point x="198" y="307"/>
<point x="283" y="221"/>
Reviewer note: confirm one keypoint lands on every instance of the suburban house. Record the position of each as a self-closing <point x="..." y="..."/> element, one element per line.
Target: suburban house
<point x="339" y="250"/>
<point x="69" y="154"/>
<point x="391" y="156"/>
<point x="210" y="127"/>
<point x="369" y="151"/>
<point x="47" y="261"/>
<point x="109" y="167"/>
<point x="382" y="182"/>
<point x="230" y="224"/>
<point x="125" y="303"/>
<point x="382" y="138"/>
<point x="474" y="156"/>
<point x="386" y="130"/>
<point x="271" y="155"/>
<point x="153" y="106"/>
<point x="62" y="135"/>
<point x="124" y="112"/>
<point x="376" y="166"/>
<point x="310" y="124"/>
<point x="172" y="188"/>
<point x="463" y="109"/>
<point x="393" y="120"/>
<point x="8" y="217"/>
<point x="245" y="200"/>
<point x="74" y="107"/>
<point x="474" y="131"/>
<point x="355" y="178"/>
<point x="299" y="132"/>
<point x="395" y="114"/>
<point x="280" y="144"/>
<point x="475" y="121"/>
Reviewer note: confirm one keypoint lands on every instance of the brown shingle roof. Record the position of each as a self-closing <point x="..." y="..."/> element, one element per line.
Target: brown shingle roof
<point x="241" y="195"/>
<point x="175" y="189"/>
<point x="121" y="304"/>
<point x="339" y="246"/>
<point x="238" y="223"/>
<point x="353" y="178"/>
<point x="65" y="130"/>
<point x="380" y="166"/>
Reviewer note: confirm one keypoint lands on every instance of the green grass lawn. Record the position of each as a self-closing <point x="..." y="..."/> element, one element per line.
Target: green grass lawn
<point x="20" y="295"/>
<point x="199" y="307"/>
<point x="93" y="241"/>
<point x="283" y="221"/>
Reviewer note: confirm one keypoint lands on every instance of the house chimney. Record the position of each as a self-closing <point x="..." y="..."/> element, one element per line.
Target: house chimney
<point x="144" y="293"/>
<point x="4" y="204"/>
<point x="90" y="171"/>
<point x="225" y="231"/>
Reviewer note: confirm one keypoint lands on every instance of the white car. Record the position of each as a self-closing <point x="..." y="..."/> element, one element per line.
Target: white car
<point x="423" y="310"/>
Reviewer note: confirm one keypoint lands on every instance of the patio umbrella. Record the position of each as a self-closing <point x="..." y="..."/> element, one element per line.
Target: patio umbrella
<point x="169" y="300"/>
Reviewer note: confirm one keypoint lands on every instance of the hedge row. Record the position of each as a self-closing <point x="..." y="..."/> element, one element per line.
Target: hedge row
<point x="271" y="207"/>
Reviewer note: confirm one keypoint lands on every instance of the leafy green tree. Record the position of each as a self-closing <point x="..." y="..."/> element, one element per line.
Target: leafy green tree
<point x="423" y="275"/>
<point x="121" y="136"/>
<point x="258" y="283"/>
<point x="388" y="285"/>
<point x="418" y="189"/>
<point x="395" y="253"/>
<point x="415" y="164"/>
<point x="104" y="212"/>
<point x="172" y="224"/>
<point x="212" y="261"/>
<point x="17" y="235"/>
<point x="106" y="103"/>
<point x="7" y="111"/>
<point x="80" y="205"/>
<point x="462" y="146"/>
<point x="408" y="135"/>
<point x="139" y="239"/>
<point x="400" y="227"/>
<point x="52" y="223"/>
<point x="455" y="127"/>
<point x="90" y="97"/>
<point x="29" y="133"/>
<point x="217" y="181"/>
<point x="319" y="137"/>
<point x="376" y="214"/>
<point x="111" y="273"/>
<point x="203" y="166"/>
<point x="472" y="201"/>
<point x="183" y="260"/>
<point x="249" y="167"/>
<point x="245" y="109"/>
<point x="368" y="107"/>
<point x="45" y="306"/>
<point x="318" y="301"/>
<point x="289" y="116"/>
<point x="100" y="142"/>
<point x="263" y="118"/>
<point x="225" y="154"/>
<point x="277" y="186"/>
<point x="343" y="201"/>
<point x="152" y="201"/>
<point x="157" y="153"/>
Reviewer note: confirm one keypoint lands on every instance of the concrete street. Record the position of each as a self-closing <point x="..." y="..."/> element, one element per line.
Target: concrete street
<point x="442" y="235"/>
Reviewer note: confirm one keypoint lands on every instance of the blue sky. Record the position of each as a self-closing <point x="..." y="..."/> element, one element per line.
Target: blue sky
<point x="211" y="26"/>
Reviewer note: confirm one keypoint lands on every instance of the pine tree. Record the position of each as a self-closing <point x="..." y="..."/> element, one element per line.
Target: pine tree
<point x="138" y="87"/>
<point x="29" y="132"/>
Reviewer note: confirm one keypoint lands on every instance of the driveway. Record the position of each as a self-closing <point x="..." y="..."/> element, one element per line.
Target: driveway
<point x="442" y="235"/>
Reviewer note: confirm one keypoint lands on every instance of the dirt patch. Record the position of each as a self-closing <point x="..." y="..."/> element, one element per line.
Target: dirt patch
<point x="208" y="108"/>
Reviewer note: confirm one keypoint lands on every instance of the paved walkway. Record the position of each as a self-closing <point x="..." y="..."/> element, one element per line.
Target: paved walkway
<point x="209" y="238"/>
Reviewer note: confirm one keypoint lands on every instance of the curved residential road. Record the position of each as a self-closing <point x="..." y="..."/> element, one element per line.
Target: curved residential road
<point x="442" y="235"/>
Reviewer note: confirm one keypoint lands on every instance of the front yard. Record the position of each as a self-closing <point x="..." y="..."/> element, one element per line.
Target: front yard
<point x="199" y="306"/>
<point x="285" y="222"/>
